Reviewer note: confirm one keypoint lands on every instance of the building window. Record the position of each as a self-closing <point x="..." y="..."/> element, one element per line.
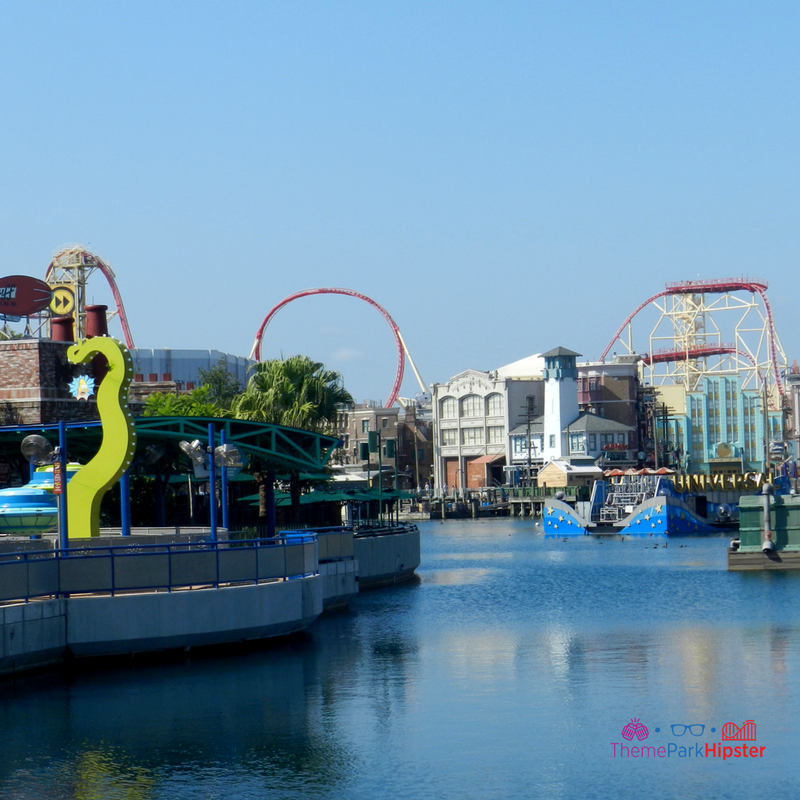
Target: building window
<point x="384" y="422"/>
<point x="577" y="443"/>
<point x="495" y="434"/>
<point x="471" y="406"/>
<point x="592" y="442"/>
<point x="364" y="426"/>
<point x="449" y="408"/>
<point x="449" y="436"/>
<point x="494" y="405"/>
<point x="606" y="438"/>
<point x="552" y="440"/>
<point x="472" y="436"/>
<point x="620" y="438"/>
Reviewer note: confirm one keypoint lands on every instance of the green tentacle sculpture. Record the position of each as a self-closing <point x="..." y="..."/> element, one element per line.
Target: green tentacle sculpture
<point x="86" y="489"/>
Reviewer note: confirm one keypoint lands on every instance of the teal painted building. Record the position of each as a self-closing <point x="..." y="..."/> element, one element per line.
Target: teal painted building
<point x="718" y="427"/>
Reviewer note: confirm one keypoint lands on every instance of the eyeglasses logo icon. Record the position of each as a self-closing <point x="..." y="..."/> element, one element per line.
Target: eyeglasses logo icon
<point x="695" y="730"/>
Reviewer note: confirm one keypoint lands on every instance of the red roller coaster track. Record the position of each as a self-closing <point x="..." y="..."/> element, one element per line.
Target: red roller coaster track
<point x="669" y="355"/>
<point x="96" y="261"/>
<point x="256" y="352"/>
<point x="718" y="286"/>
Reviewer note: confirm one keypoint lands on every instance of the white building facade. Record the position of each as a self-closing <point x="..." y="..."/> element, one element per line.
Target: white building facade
<point x="501" y="427"/>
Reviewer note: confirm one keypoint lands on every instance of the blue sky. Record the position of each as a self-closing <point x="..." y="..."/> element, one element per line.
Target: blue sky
<point x="501" y="177"/>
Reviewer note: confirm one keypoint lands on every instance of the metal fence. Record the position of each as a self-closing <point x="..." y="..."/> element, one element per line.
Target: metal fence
<point x="544" y="491"/>
<point x="155" y="567"/>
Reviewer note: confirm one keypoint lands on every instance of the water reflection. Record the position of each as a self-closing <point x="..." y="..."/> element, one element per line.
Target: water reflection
<point x="503" y="672"/>
<point x="457" y="577"/>
<point x="263" y="711"/>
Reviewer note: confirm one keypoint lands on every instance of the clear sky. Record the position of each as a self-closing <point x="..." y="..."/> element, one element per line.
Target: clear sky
<point x="503" y="177"/>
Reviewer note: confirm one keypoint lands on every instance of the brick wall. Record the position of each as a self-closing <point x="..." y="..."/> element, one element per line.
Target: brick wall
<point x="34" y="383"/>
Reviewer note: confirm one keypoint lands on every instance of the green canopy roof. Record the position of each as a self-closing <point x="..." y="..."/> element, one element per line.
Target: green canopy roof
<point x="273" y="446"/>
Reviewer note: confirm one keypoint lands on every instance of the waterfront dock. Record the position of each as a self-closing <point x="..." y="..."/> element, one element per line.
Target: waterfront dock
<point x="529" y="501"/>
<point x="158" y="591"/>
<point x="769" y="534"/>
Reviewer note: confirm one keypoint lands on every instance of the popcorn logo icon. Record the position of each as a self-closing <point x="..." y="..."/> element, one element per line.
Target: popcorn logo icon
<point x="635" y="728"/>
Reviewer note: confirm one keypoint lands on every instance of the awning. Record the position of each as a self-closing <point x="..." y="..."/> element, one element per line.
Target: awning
<point x="487" y="459"/>
<point x="283" y="449"/>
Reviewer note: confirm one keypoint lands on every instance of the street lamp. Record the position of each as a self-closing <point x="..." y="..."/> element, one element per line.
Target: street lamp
<point x="206" y="459"/>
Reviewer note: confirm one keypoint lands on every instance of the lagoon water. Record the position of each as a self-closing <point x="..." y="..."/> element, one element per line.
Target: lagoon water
<point x="506" y="670"/>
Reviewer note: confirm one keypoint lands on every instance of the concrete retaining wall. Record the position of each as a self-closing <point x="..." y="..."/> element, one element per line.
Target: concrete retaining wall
<point x="386" y="559"/>
<point x="42" y="632"/>
<point x="163" y="620"/>
<point x="32" y="635"/>
<point x="339" y="582"/>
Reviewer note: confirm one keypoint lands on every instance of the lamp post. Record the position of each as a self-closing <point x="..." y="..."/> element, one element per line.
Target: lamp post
<point x="530" y="410"/>
<point x="61" y="465"/>
<point x="380" y="482"/>
<point x="766" y="425"/>
<point x="416" y="455"/>
<point x="224" y="483"/>
<point x="212" y="481"/>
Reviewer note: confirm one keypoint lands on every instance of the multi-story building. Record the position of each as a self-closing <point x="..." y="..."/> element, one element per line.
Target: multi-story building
<point x="353" y="426"/>
<point x="183" y="366"/>
<point x="414" y="449"/>
<point x="501" y="427"/>
<point x="792" y="435"/>
<point x="609" y="389"/>
<point x="718" y="427"/>
<point x="408" y="428"/>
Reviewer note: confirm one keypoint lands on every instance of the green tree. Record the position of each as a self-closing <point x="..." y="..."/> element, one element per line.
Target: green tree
<point x="197" y="403"/>
<point x="223" y="386"/>
<point x="296" y="392"/>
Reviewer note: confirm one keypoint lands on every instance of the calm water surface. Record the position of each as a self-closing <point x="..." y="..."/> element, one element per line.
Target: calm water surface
<point x="507" y="670"/>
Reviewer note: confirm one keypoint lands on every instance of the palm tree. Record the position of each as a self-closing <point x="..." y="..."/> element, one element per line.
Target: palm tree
<point x="296" y="392"/>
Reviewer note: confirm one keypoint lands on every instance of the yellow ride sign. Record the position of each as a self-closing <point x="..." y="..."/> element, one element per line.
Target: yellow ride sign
<point x="63" y="300"/>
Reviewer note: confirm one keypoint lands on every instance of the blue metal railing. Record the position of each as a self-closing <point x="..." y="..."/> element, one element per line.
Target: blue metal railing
<point x="154" y="567"/>
<point x="367" y="528"/>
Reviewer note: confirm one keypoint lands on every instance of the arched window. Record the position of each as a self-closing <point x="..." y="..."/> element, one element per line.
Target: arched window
<point x="471" y="406"/>
<point x="494" y="405"/>
<point x="449" y="408"/>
